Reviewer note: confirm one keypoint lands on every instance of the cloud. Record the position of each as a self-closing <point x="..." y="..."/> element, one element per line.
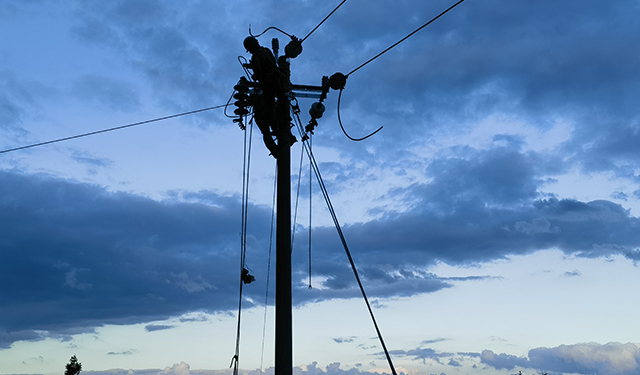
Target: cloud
<point x="157" y="327"/>
<point x="84" y="157"/>
<point x="10" y="113"/>
<point x="572" y="273"/>
<point x="420" y="353"/>
<point x="178" y="58"/>
<point x="88" y="247"/>
<point x="502" y="361"/>
<point x="20" y="100"/>
<point x="588" y="358"/>
<point x="181" y="368"/>
<point x="126" y="352"/>
<point x="341" y="340"/>
<point x="113" y="93"/>
<point x="485" y="204"/>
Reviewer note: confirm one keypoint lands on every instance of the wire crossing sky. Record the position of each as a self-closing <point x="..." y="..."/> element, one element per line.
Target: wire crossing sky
<point x="109" y="129"/>
<point x="493" y="220"/>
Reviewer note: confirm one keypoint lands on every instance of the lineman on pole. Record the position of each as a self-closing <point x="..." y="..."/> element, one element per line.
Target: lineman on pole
<point x="271" y="107"/>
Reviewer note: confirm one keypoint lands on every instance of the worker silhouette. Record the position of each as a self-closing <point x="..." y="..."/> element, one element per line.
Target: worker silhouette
<point x="274" y="83"/>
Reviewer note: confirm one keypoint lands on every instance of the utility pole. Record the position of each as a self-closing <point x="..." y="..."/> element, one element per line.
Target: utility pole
<point x="284" y="329"/>
<point x="248" y="94"/>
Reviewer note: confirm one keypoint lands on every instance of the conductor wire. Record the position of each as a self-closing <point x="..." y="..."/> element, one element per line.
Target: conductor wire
<point x="406" y="37"/>
<point x="267" y="29"/>
<point x="111" y="129"/>
<point x="321" y="22"/>
<point x="342" y="127"/>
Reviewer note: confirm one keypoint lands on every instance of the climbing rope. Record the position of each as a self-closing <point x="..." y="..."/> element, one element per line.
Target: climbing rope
<point x="243" y="236"/>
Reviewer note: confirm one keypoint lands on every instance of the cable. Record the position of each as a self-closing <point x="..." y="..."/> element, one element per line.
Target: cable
<point x="266" y="297"/>
<point x="310" y="211"/>
<point x="267" y="29"/>
<point x="406" y="37"/>
<point x="243" y="237"/>
<point x="342" y="127"/>
<point x="112" y="129"/>
<point x="244" y="67"/>
<point x="327" y="17"/>
<point x="295" y="211"/>
<point x="334" y="217"/>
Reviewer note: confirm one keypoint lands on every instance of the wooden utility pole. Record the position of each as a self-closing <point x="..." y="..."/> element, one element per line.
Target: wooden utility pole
<point x="284" y="330"/>
<point x="283" y="302"/>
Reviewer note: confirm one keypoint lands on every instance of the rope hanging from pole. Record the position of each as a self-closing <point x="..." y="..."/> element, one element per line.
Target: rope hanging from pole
<point x="245" y="277"/>
<point x="310" y="209"/>
<point x="266" y="296"/>
<point x="334" y="217"/>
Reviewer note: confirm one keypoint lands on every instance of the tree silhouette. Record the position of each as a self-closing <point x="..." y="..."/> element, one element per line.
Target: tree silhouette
<point x="73" y="367"/>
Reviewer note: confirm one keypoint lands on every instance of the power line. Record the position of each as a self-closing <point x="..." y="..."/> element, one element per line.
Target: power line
<point x="111" y="129"/>
<point x="406" y="37"/>
<point x="321" y="22"/>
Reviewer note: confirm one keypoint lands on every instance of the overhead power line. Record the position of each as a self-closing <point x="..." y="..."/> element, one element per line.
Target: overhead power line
<point x="321" y="22"/>
<point x="111" y="129"/>
<point x="406" y="37"/>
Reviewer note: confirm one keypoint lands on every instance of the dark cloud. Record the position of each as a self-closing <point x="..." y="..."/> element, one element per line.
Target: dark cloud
<point x="74" y="255"/>
<point x="74" y="249"/>
<point x="126" y="352"/>
<point x="482" y="205"/>
<point x="157" y="327"/>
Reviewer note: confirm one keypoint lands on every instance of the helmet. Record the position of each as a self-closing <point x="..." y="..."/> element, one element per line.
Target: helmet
<point x="251" y="44"/>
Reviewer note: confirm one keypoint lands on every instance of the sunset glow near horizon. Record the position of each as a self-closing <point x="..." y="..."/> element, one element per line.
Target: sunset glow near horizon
<point x="494" y="219"/>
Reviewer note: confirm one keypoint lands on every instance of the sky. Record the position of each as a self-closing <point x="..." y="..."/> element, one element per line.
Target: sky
<point x="494" y="219"/>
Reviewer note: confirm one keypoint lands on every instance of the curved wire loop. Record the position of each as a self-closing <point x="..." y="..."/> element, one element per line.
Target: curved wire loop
<point x="342" y="127"/>
<point x="267" y="29"/>
<point x="227" y="105"/>
<point x="246" y="71"/>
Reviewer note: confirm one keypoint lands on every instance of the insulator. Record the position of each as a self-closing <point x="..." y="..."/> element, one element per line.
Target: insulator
<point x="337" y="81"/>
<point x="241" y="103"/>
<point x="241" y="96"/>
<point x="293" y="49"/>
<point x="241" y="87"/>
<point x="316" y="110"/>
<point x="241" y="111"/>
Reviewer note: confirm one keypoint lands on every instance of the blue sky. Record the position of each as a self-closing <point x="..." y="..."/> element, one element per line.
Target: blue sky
<point x="494" y="219"/>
